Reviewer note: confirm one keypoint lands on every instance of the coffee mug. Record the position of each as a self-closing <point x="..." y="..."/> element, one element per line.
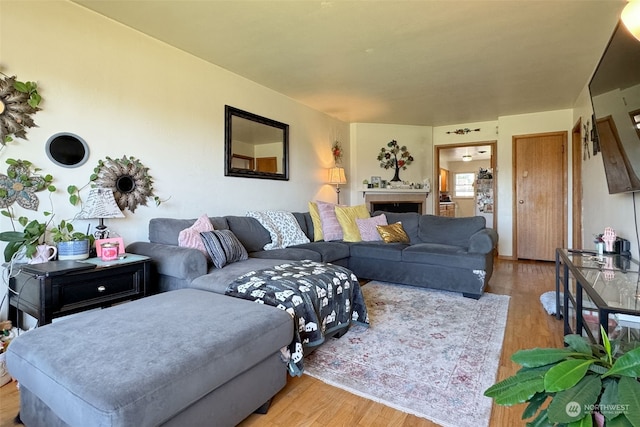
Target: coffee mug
<point x="43" y="253"/>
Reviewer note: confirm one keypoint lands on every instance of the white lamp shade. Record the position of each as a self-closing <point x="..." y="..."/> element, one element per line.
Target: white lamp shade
<point x="631" y="17"/>
<point x="337" y="176"/>
<point x="100" y="204"/>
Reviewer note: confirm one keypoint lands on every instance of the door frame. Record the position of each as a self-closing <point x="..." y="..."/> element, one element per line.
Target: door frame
<point x="576" y="185"/>
<point x="435" y="190"/>
<point x="514" y="172"/>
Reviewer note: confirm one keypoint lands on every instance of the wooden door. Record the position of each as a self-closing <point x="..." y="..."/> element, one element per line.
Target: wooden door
<point x="540" y="194"/>
<point x="267" y="164"/>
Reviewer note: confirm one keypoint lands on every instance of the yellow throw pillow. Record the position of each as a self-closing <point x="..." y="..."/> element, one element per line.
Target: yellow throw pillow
<point x="317" y="223"/>
<point x="347" y="218"/>
<point x="393" y="233"/>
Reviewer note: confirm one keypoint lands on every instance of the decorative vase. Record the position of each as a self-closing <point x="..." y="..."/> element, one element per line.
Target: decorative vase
<point x="73" y="250"/>
<point x="396" y="177"/>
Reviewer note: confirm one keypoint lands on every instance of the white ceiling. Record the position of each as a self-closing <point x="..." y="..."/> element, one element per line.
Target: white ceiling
<point x="404" y="62"/>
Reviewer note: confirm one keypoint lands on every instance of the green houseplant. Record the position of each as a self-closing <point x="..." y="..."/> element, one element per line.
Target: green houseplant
<point x="580" y="381"/>
<point x="71" y="244"/>
<point x="19" y="186"/>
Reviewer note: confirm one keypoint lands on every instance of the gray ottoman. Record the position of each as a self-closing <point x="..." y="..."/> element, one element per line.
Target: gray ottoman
<point x="185" y="357"/>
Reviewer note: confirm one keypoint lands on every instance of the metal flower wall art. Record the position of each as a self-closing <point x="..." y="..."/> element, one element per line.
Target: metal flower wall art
<point x="21" y="183"/>
<point x="18" y="102"/>
<point x="394" y="156"/>
<point x="128" y="178"/>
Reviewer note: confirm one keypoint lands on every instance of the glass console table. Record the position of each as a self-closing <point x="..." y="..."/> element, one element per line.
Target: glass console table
<point x="599" y="290"/>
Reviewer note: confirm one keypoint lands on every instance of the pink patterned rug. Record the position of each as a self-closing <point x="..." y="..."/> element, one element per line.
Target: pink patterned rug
<point x="429" y="353"/>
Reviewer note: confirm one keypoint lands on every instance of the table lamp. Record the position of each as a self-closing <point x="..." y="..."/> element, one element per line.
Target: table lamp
<point x="100" y="204"/>
<point x="337" y="177"/>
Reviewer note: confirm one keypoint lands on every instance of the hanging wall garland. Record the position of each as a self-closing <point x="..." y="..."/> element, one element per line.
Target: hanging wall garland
<point x="18" y="101"/>
<point x="128" y="178"/>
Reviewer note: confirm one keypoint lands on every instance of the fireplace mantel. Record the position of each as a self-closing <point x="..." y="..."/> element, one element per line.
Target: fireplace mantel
<point x="396" y="196"/>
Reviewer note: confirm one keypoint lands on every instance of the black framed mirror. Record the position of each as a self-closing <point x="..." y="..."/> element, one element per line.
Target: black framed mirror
<point x="67" y="150"/>
<point x="255" y="146"/>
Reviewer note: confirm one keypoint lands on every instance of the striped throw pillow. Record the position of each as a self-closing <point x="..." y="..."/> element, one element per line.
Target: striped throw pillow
<point x="223" y="247"/>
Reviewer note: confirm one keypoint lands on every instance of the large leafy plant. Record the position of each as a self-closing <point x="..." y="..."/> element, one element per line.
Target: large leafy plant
<point x="578" y="380"/>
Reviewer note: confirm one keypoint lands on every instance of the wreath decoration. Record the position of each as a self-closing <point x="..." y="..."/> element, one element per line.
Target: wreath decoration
<point x="129" y="180"/>
<point x="18" y="101"/>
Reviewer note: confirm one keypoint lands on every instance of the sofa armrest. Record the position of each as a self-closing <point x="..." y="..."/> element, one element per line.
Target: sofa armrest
<point x="175" y="261"/>
<point x="483" y="241"/>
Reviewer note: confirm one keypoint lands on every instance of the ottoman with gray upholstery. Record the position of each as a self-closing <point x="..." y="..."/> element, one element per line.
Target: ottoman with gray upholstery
<point x="185" y="357"/>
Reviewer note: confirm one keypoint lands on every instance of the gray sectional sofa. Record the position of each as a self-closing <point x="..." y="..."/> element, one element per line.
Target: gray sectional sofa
<point x="454" y="254"/>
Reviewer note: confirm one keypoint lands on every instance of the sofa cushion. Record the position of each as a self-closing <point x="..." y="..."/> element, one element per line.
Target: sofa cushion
<point x="409" y="220"/>
<point x="191" y="238"/>
<point x="443" y="255"/>
<point x="331" y="229"/>
<point x="393" y="233"/>
<point x="291" y="254"/>
<point x="167" y="230"/>
<point x="317" y="222"/>
<point x="367" y="227"/>
<point x="451" y="231"/>
<point x="283" y="228"/>
<point x="391" y="252"/>
<point x="347" y="216"/>
<point x="251" y="234"/>
<point x="329" y="251"/>
<point x="306" y="223"/>
<point x="223" y="247"/>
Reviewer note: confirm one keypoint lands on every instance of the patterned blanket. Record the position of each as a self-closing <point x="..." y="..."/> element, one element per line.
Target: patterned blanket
<point x="320" y="297"/>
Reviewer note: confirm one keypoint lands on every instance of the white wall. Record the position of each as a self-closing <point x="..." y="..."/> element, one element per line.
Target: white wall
<point x="366" y="141"/>
<point x="128" y="94"/>
<point x="599" y="208"/>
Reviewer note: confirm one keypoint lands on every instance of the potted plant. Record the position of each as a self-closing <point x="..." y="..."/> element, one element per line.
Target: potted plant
<point x="71" y="244"/>
<point x="583" y="382"/>
<point x="23" y="243"/>
<point x="20" y="185"/>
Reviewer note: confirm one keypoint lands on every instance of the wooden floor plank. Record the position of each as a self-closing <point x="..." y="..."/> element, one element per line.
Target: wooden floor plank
<point x="306" y="401"/>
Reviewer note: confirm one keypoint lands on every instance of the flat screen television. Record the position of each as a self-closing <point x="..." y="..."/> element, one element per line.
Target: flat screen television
<point x="615" y="96"/>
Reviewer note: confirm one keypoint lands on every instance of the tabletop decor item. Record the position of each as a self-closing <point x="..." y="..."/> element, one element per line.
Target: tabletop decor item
<point x="18" y="101"/>
<point x="585" y="382"/>
<point x="394" y="156"/>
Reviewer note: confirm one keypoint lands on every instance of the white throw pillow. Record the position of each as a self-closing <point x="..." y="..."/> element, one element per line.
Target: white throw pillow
<point x="282" y="227"/>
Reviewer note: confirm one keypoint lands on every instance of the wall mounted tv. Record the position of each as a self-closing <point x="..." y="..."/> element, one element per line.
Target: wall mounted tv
<point x="615" y="96"/>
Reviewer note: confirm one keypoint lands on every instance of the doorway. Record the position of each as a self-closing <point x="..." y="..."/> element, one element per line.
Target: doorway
<point x="449" y="163"/>
<point x="540" y="194"/>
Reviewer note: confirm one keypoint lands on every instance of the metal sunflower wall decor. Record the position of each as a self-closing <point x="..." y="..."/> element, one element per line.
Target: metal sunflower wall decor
<point x="18" y="101"/>
<point x="129" y="180"/>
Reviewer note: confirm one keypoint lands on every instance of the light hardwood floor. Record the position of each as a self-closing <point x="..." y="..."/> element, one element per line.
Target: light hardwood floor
<point x="306" y="401"/>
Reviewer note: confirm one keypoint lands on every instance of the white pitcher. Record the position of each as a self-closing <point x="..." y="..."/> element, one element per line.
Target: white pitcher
<point x="43" y="253"/>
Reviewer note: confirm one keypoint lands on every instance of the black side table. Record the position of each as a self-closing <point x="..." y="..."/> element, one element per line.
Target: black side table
<point x="46" y="297"/>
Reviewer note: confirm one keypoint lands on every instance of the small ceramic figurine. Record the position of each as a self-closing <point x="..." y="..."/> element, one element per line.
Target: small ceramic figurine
<point x="608" y="238"/>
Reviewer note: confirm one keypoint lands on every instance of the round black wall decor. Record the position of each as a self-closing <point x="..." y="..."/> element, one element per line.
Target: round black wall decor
<point x="67" y="150"/>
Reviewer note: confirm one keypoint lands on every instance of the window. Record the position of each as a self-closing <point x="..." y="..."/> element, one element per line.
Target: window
<point x="463" y="184"/>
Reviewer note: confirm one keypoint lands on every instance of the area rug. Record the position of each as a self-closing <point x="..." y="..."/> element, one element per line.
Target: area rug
<point x="429" y="353"/>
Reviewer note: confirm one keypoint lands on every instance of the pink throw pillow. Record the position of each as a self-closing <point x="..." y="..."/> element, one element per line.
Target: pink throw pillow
<point x="331" y="229"/>
<point x="190" y="237"/>
<point x="367" y="227"/>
